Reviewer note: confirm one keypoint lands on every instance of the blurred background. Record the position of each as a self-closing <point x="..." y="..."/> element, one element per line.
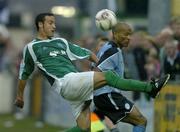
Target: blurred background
<point x="153" y="51"/>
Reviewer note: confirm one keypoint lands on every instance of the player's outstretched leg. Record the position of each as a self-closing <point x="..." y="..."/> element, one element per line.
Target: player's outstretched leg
<point x="152" y="88"/>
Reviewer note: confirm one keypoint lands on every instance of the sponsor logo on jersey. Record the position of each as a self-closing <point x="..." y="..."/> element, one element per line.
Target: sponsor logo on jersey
<point x="56" y="53"/>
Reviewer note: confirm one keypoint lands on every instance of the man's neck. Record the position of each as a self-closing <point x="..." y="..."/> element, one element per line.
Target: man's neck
<point x="41" y="36"/>
<point x="117" y="44"/>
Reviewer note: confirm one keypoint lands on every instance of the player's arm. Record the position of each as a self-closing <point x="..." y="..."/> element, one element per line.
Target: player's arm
<point x="26" y="68"/>
<point x="19" y="102"/>
<point x="93" y="58"/>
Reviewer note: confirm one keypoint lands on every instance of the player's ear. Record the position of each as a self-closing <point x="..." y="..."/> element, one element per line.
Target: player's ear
<point x="40" y="24"/>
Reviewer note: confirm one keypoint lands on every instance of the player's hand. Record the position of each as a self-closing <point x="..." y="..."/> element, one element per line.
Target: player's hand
<point x="19" y="102"/>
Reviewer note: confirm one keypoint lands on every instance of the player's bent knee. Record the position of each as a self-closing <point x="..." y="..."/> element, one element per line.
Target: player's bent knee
<point x="83" y="120"/>
<point x="84" y="128"/>
<point x="145" y="121"/>
<point x="141" y="121"/>
<point x="138" y="120"/>
<point x="137" y="117"/>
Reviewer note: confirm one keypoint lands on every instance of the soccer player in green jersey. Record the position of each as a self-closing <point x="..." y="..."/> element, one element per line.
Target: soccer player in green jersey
<point x="54" y="56"/>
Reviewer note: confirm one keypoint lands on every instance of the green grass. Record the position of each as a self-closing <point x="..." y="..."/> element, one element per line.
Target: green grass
<point x="9" y="124"/>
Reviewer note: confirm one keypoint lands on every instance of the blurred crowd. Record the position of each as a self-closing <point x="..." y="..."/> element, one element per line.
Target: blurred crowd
<point x="5" y="49"/>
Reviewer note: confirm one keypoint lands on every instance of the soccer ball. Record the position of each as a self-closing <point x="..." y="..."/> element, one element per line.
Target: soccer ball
<point x="105" y="19"/>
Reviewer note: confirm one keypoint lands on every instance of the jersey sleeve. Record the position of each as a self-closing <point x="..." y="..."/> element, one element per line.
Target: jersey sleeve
<point x="76" y="52"/>
<point x="26" y="66"/>
<point x="108" y="64"/>
<point x="113" y="62"/>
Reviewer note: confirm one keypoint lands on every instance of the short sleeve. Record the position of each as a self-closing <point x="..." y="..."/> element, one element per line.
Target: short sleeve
<point x="76" y="52"/>
<point x="26" y="66"/>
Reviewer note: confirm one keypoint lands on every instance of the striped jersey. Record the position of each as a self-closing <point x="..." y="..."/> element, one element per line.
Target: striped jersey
<point x="52" y="56"/>
<point x="110" y="58"/>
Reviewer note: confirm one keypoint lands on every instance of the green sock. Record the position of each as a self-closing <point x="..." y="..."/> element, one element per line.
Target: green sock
<point x="126" y="84"/>
<point x="76" y="129"/>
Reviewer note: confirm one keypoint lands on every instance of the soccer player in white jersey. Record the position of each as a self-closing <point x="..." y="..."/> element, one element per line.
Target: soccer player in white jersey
<point x="54" y="56"/>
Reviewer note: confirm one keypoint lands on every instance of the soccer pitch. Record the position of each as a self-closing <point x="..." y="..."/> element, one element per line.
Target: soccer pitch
<point x="8" y="123"/>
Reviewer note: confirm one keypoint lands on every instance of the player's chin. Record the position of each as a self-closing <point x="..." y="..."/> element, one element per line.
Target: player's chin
<point x="51" y="35"/>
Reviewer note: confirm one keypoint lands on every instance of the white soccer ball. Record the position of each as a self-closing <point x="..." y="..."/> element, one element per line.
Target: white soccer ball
<point x="105" y="19"/>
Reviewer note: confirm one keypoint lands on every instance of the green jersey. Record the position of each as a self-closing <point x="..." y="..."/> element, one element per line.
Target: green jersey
<point x="52" y="56"/>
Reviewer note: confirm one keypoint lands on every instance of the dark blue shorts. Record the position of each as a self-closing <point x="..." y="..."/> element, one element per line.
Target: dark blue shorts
<point x="114" y="105"/>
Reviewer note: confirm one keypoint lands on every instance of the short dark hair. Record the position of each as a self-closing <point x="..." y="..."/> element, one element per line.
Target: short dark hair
<point x="41" y="18"/>
<point x="120" y="26"/>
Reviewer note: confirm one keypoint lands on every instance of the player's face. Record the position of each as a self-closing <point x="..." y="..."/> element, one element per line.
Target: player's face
<point x="48" y="26"/>
<point x="122" y="38"/>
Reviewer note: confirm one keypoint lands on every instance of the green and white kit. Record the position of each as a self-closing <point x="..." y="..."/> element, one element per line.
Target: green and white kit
<point x="54" y="58"/>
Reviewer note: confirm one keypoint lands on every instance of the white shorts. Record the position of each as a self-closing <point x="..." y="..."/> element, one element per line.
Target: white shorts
<point x="76" y="88"/>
